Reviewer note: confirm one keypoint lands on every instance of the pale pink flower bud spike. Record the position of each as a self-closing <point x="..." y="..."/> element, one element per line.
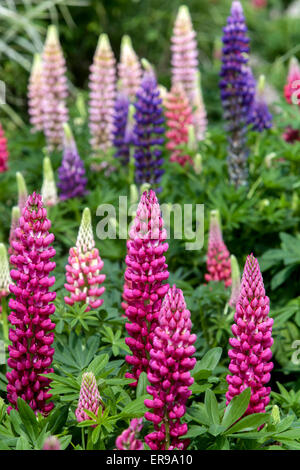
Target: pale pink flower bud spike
<point x="89" y="398"/>
<point x="236" y="281"/>
<point x="129" y="68"/>
<point x="36" y="94"/>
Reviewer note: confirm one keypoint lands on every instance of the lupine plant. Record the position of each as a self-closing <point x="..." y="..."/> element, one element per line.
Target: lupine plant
<point x="36" y="95"/>
<point x="122" y="132"/>
<point x="129" y="69"/>
<point x="218" y="257"/>
<point x="129" y="440"/>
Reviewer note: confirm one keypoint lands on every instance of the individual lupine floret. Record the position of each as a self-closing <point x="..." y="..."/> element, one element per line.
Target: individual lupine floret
<point x="218" y="256"/>
<point x="36" y="95"/>
<point x="128" y="440"/>
<point x="199" y="111"/>
<point x="71" y="173"/>
<point x="48" y="191"/>
<point x="89" y="398"/>
<point x="169" y="373"/>
<point x="250" y="355"/>
<point x="292" y="87"/>
<point x="55" y="91"/>
<point x="178" y="117"/>
<point x="123" y="132"/>
<point x="52" y="443"/>
<point x="129" y="69"/>
<point x="3" y="151"/>
<point x="261" y="118"/>
<point x="184" y="53"/>
<point x="237" y="92"/>
<point x="15" y="216"/>
<point x="31" y="334"/>
<point x="148" y="132"/>
<point x="22" y="190"/>
<point x="102" y="84"/>
<point x="144" y="276"/>
<point x="236" y="281"/>
<point x="83" y="271"/>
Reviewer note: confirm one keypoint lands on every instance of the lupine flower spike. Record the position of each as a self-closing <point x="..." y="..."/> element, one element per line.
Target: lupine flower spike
<point x="250" y="355"/>
<point x="144" y="289"/>
<point x="3" y="151"/>
<point x="83" y="273"/>
<point x="199" y="111"/>
<point x="236" y="281"/>
<point x="5" y="281"/>
<point x="122" y="132"/>
<point x="15" y="216"/>
<point x="22" y="190"/>
<point x="148" y="132"/>
<point x="129" y="68"/>
<point x="48" y="191"/>
<point x="218" y="257"/>
<point x="184" y="53"/>
<point x="36" y="95"/>
<point x="179" y="117"/>
<point x="52" y="443"/>
<point x="237" y="92"/>
<point x="102" y="84"/>
<point x="128" y="440"/>
<point x="169" y="373"/>
<point x="55" y="90"/>
<point x="31" y="334"/>
<point x="292" y="87"/>
<point x="89" y="398"/>
<point x="71" y="173"/>
<point x="261" y="117"/>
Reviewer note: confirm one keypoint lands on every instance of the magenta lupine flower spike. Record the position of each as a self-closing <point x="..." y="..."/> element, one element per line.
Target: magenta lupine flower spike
<point x="184" y="53"/>
<point x="218" y="257"/>
<point x="83" y="273"/>
<point x="128" y="440"/>
<point x="129" y="68"/>
<point x="22" y="190"/>
<point x="36" y="95"/>
<point x="55" y="90"/>
<point x="250" y="355"/>
<point x="3" y="151"/>
<point x="102" y="84"/>
<point x="144" y="276"/>
<point x="169" y="373"/>
<point x="236" y="281"/>
<point x="48" y="191"/>
<point x="52" y="443"/>
<point x="31" y="335"/>
<point x="89" y="397"/>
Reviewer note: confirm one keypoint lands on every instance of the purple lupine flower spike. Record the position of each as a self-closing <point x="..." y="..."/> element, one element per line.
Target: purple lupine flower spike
<point x="250" y="355"/>
<point x="71" y="173"/>
<point x="129" y="68"/>
<point x="122" y="133"/>
<point x="148" y="132"/>
<point x="237" y="92"/>
<point x="128" y="440"/>
<point x="89" y="398"/>
<point x="169" y="373"/>
<point x="261" y="117"/>
<point x="31" y="334"/>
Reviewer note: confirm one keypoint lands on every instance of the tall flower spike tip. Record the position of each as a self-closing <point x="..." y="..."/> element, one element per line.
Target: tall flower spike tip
<point x="3" y="151"/>
<point x="122" y="131"/>
<point x="89" y="398"/>
<point x="250" y="355"/>
<point x="55" y="90"/>
<point x="237" y="93"/>
<point x="169" y="373"/>
<point x="71" y="173"/>
<point x="144" y="286"/>
<point x="48" y="191"/>
<point x="31" y="333"/>
<point x="218" y="257"/>
<point x="179" y="116"/>
<point x="184" y="53"/>
<point x="292" y="86"/>
<point x="148" y="132"/>
<point x="128" y="440"/>
<point x="129" y="68"/>
<point x="36" y="95"/>
<point x="199" y="111"/>
<point x="22" y="190"/>
<point x="5" y="279"/>
<point x="52" y="443"/>
<point x="15" y="217"/>
<point x="102" y="84"/>
<point x="84" y="267"/>
<point x="236" y="281"/>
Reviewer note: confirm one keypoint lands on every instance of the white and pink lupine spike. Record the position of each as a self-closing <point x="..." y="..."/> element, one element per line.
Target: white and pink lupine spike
<point x="102" y="84"/>
<point x="184" y="53"/>
<point x="128" y="440"/>
<point x="83" y="271"/>
<point x="55" y="91"/>
<point x="199" y="111"/>
<point x="250" y="355"/>
<point x="48" y="191"/>
<point x="236" y="281"/>
<point x="36" y="95"/>
<point x="218" y="256"/>
<point x="89" y="397"/>
<point x="129" y="69"/>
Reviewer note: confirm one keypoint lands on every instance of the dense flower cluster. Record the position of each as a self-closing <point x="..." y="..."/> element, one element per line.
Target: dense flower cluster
<point x="122" y="128"/>
<point x="144" y="276"/>
<point x="129" y="68"/>
<point x="128" y="440"/>
<point x="3" y="151"/>
<point x="148" y="132"/>
<point x="36" y="94"/>
<point x="83" y="271"/>
<point x="89" y="397"/>
<point x="31" y="335"/>
<point x="250" y="355"/>
<point x="218" y="257"/>
<point x="169" y="373"/>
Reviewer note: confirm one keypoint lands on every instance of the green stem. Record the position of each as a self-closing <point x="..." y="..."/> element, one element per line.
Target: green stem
<point x="4" y="320"/>
<point x="82" y="438"/>
<point x="167" y="430"/>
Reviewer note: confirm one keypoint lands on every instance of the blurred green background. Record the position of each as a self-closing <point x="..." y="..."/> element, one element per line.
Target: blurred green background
<point x="273" y="28"/>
